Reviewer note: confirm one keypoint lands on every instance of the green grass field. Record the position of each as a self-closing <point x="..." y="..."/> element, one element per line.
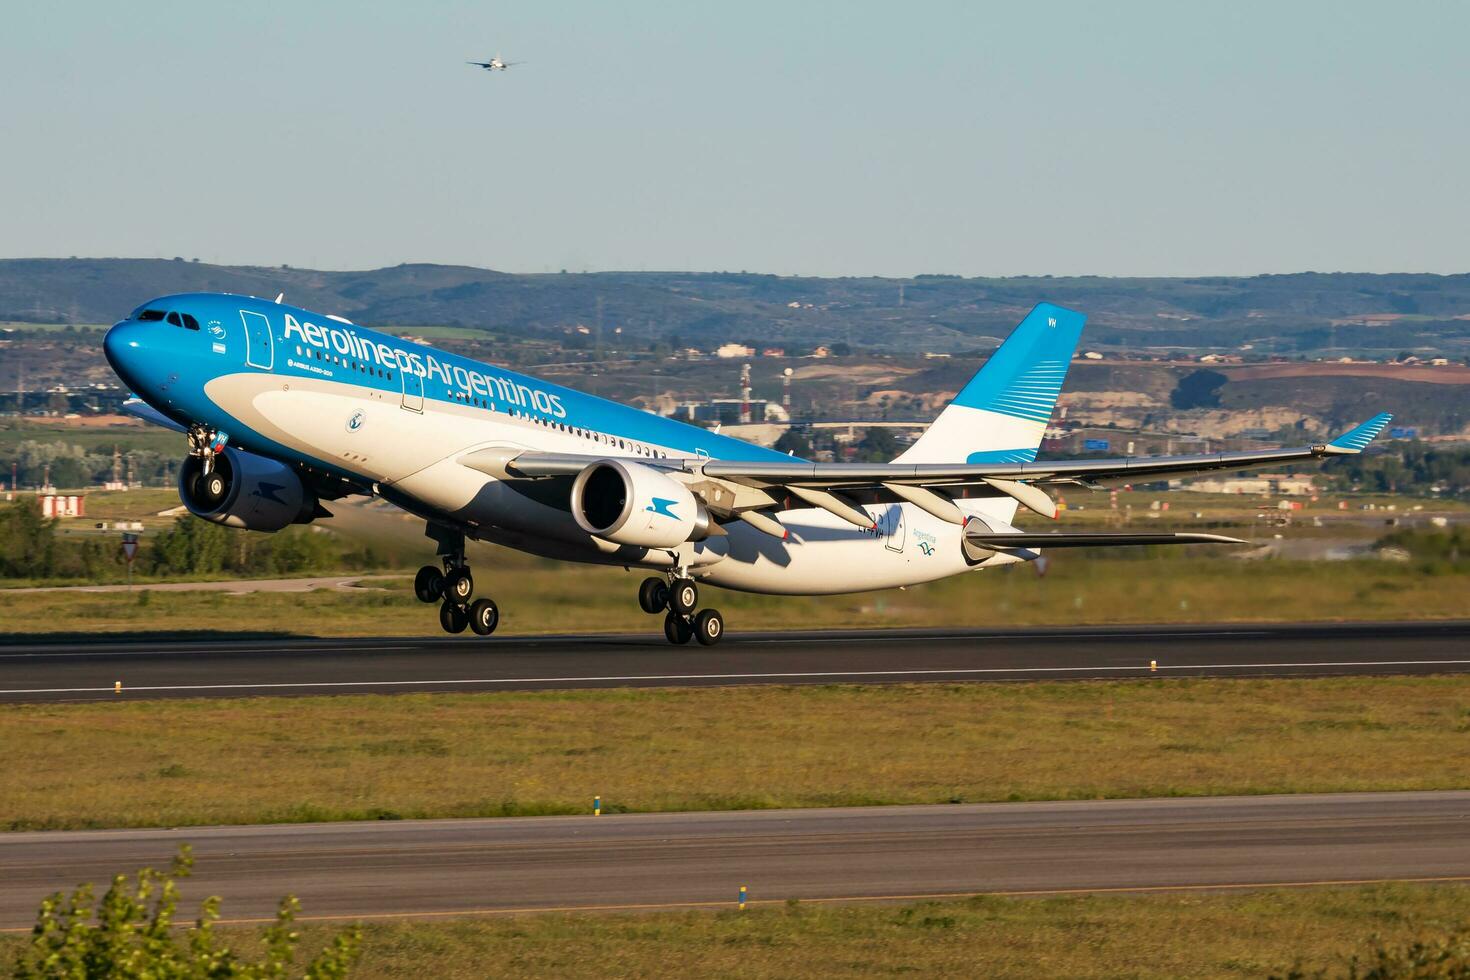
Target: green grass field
<point x="1210" y="935"/>
<point x="174" y="763"/>
<point x="537" y="596"/>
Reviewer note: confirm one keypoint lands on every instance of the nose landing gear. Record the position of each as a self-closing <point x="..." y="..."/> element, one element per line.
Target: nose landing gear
<point x="454" y="585"/>
<point x="678" y="599"/>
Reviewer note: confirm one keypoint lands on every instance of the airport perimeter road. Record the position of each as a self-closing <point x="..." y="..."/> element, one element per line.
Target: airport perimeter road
<point x="289" y="665"/>
<point x="466" y="867"/>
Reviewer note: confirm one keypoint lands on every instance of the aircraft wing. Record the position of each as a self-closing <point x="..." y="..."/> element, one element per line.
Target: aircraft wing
<point x="139" y="409"/>
<point x="1088" y="539"/>
<point x="841" y="487"/>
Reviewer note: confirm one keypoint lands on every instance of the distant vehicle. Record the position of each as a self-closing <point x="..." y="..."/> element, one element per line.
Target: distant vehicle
<point x="494" y="64"/>
<point x="285" y="408"/>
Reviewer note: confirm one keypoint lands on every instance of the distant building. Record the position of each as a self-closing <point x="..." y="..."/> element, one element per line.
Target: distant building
<point x="774" y="352"/>
<point x="725" y="410"/>
<point x="60" y="505"/>
<point x="822" y="351"/>
<point x="1266" y="483"/>
<point x="734" y="350"/>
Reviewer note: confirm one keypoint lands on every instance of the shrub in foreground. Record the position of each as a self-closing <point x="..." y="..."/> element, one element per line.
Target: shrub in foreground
<point x="130" y="934"/>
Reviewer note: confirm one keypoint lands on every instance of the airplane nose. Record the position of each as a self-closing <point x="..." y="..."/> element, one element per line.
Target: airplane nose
<point x="124" y="350"/>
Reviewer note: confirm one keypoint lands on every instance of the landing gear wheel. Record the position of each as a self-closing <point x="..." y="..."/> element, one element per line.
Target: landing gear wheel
<point x="677" y="629"/>
<point x="484" y="616"/>
<point x="709" y="627"/>
<point x="458" y="586"/>
<point x="684" y="597"/>
<point x="453" y="618"/>
<point x="653" y="596"/>
<point x="428" y="584"/>
<point x="210" y="488"/>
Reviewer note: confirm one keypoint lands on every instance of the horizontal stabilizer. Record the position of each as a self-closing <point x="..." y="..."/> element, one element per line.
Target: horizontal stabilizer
<point x="1090" y="539"/>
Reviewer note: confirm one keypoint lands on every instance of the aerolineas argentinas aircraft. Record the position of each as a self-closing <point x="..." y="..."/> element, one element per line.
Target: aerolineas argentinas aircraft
<point x="285" y="408"/>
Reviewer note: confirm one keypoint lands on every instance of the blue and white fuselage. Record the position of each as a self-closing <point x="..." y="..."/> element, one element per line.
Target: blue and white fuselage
<point x="394" y="417"/>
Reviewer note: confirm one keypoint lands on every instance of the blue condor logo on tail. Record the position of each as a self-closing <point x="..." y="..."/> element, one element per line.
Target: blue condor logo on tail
<point x="664" y="507"/>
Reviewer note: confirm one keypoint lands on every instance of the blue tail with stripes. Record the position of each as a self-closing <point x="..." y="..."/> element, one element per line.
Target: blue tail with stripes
<point x="1002" y="413"/>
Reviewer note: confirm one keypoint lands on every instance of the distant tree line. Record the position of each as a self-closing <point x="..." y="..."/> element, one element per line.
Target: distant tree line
<point x="1404" y="467"/>
<point x="75" y="466"/>
<point x="31" y="548"/>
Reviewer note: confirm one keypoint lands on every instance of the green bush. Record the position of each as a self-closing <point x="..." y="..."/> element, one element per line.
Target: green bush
<point x="27" y="540"/>
<point x="196" y="547"/>
<point x="131" y="934"/>
<point x="1437" y="552"/>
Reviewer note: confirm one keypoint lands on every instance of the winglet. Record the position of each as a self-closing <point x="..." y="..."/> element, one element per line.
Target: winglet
<point x="1356" y="439"/>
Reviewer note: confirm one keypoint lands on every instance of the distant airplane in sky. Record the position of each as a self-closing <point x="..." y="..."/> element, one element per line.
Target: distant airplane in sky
<point x="494" y="64"/>
<point x="285" y="408"/>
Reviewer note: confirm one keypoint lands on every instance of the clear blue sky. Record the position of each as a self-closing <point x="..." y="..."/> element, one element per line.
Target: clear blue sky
<point x="852" y="138"/>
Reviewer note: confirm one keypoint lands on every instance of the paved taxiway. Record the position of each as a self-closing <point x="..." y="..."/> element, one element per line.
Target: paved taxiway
<point x="288" y="665"/>
<point x="462" y="867"/>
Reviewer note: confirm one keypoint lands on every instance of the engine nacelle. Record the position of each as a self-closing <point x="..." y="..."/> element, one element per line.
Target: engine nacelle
<point x="629" y="503"/>
<point x="246" y="491"/>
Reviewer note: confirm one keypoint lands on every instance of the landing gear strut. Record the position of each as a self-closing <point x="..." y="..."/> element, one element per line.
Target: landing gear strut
<point x="210" y="484"/>
<point x="678" y="600"/>
<point x="454" y="586"/>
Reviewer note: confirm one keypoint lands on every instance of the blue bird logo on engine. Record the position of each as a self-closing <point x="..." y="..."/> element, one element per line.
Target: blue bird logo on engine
<point x="268" y="491"/>
<point x="662" y="506"/>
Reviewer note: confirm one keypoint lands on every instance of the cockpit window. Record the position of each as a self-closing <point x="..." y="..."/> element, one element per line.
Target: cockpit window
<point x="150" y="315"/>
<point x="190" y="322"/>
<point x="174" y="319"/>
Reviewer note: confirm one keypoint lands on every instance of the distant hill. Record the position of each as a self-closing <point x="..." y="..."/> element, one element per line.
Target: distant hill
<point x="1299" y="313"/>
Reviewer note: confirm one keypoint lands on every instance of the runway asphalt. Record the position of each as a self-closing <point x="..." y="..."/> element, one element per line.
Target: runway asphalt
<point x="468" y="867"/>
<point x="302" y="665"/>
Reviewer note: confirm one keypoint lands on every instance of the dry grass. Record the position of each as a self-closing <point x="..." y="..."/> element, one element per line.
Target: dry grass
<point x="362" y="757"/>
<point x="539" y="597"/>
<point x="1238" y="935"/>
<point x="1227" y="935"/>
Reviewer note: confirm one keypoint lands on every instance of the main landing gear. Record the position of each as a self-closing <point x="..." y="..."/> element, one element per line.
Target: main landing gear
<point x="678" y="599"/>
<point x="454" y="586"/>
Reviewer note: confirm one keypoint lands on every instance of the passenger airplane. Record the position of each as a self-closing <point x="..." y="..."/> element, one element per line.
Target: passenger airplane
<point x="494" y="64"/>
<point x="284" y="408"/>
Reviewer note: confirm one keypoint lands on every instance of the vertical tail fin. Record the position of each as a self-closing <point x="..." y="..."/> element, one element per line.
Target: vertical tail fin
<point x="1001" y="415"/>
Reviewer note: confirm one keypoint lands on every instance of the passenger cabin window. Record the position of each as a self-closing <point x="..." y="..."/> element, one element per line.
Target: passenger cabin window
<point x="148" y="316"/>
<point x="174" y="319"/>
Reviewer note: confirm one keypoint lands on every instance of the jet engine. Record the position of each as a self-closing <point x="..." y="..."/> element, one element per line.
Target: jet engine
<point x="246" y="491"/>
<point x="629" y="503"/>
